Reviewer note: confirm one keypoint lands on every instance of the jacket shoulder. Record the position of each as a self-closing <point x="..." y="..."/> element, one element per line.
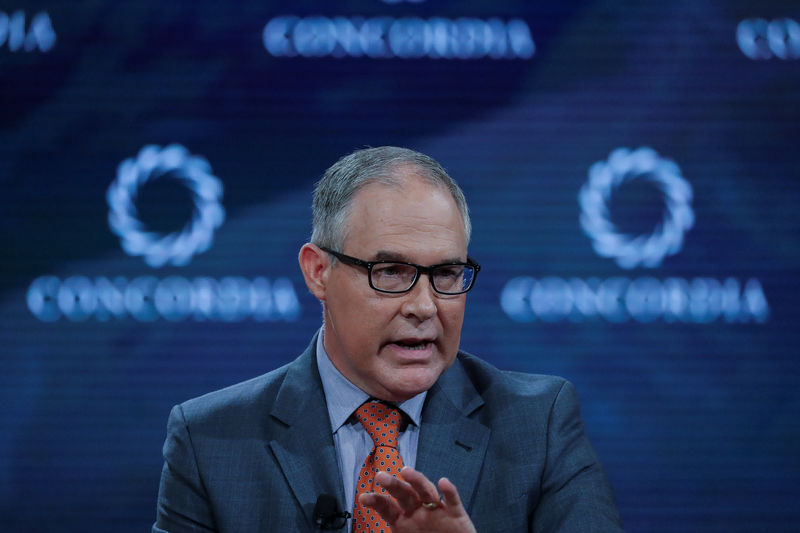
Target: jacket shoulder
<point x="490" y="381"/>
<point x="236" y="401"/>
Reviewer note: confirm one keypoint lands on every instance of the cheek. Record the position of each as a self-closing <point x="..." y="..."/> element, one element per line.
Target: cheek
<point x="452" y="315"/>
<point x="371" y="319"/>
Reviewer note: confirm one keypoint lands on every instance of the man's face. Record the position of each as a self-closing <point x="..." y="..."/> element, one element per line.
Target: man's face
<point x="394" y="346"/>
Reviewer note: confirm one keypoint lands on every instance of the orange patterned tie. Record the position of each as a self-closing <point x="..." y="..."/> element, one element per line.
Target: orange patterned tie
<point x="382" y="422"/>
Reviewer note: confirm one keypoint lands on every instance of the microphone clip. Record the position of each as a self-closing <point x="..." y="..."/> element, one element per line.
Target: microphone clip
<point x="326" y="515"/>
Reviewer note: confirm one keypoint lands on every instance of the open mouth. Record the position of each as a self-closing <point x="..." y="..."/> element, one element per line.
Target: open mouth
<point x="413" y="345"/>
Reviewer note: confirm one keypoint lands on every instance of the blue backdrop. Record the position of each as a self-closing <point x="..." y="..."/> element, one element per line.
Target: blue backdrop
<point x="632" y="170"/>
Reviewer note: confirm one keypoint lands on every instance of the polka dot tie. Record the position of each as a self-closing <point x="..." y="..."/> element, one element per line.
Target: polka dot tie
<point x="382" y="422"/>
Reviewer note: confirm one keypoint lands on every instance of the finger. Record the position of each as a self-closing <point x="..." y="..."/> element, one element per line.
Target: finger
<point x="426" y="491"/>
<point x="452" y="500"/>
<point x="400" y="490"/>
<point x="383" y="504"/>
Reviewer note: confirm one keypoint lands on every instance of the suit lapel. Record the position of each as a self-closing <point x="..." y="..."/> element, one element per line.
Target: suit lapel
<point x="305" y="451"/>
<point x="451" y="444"/>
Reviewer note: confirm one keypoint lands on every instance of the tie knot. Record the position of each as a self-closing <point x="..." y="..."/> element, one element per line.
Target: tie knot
<point x="381" y="421"/>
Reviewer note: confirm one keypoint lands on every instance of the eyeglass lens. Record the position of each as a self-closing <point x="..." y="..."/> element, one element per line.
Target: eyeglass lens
<point x="398" y="277"/>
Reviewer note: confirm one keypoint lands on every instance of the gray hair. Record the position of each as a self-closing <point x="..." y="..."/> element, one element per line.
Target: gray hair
<point x="333" y="194"/>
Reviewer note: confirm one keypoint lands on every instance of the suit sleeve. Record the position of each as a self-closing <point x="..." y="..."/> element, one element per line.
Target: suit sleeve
<point x="576" y="495"/>
<point x="183" y="504"/>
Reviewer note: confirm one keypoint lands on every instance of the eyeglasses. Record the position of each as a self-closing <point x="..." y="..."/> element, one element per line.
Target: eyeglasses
<point x="396" y="277"/>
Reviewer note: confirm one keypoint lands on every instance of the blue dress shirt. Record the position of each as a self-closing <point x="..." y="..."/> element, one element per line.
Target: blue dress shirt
<point x="353" y="443"/>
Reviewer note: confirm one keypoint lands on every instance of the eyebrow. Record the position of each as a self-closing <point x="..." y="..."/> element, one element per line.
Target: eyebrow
<point x="385" y="255"/>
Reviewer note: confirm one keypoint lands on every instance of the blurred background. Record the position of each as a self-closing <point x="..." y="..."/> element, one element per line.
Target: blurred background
<point x="632" y="170"/>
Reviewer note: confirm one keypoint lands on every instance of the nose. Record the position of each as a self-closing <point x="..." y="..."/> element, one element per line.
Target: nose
<point x="420" y="301"/>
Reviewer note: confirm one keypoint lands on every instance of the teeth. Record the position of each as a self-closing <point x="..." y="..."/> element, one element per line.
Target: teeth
<point x="418" y="346"/>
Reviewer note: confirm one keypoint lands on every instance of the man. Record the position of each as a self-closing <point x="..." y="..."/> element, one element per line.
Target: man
<point x="388" y="260"/>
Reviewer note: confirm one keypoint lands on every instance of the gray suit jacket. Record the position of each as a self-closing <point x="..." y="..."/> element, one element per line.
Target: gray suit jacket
<point x="254" y="457"/>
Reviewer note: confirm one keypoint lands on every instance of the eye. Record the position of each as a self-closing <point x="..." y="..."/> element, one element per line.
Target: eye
<point x="387" y="270"/>
<point x="393" y="271"/>
<point x="450" y="272"/>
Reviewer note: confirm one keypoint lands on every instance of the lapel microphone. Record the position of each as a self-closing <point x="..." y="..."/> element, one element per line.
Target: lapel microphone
<point x="326" y="515"/>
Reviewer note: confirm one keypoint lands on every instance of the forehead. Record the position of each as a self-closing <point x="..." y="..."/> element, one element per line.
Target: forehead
<point x="413" y="218"/>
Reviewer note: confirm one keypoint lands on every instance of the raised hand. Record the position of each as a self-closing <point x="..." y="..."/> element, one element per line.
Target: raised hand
<point x="415" y="505"/>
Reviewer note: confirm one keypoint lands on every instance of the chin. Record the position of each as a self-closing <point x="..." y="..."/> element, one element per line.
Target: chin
<point x="411" y="386"/>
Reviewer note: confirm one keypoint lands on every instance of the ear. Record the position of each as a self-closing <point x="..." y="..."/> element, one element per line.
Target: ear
<point x="315" y="265"/>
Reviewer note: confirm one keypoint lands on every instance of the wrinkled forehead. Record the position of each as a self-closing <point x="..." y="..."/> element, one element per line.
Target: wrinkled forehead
<point x="419" y="222"/>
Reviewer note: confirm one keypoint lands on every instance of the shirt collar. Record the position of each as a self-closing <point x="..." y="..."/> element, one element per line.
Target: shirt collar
<point x="343" y="397"/>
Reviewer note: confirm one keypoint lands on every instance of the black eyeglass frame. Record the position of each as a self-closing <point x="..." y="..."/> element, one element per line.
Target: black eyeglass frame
<point x="419" y="268"/>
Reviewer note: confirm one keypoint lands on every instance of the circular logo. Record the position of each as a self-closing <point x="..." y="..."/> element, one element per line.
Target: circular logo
<point x="153" y="163"/>
<point x="631" y="251"/>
